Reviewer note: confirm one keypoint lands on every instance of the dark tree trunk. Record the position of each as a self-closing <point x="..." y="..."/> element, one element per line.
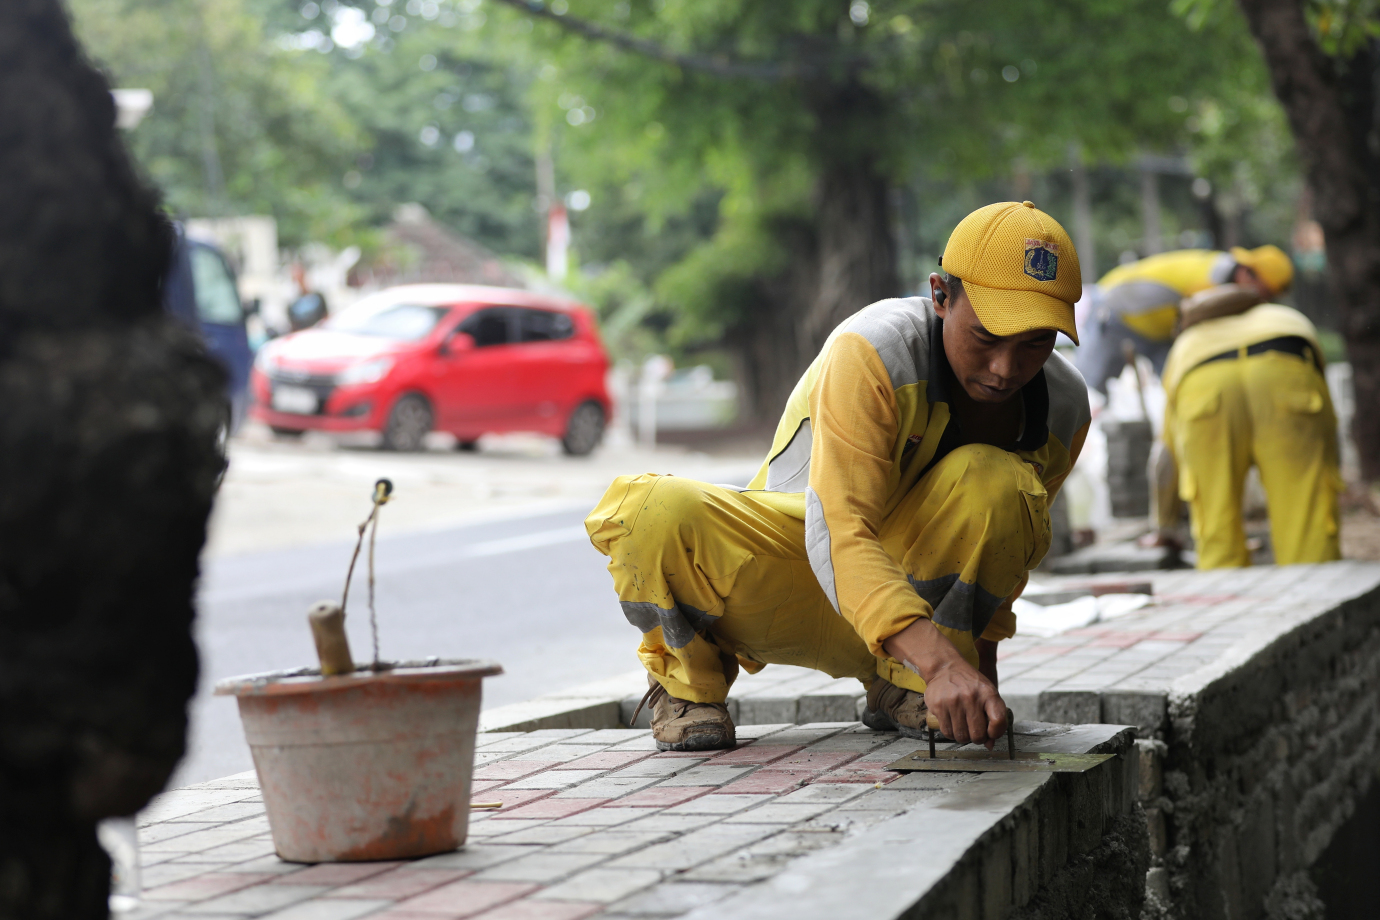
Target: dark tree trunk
<point x="1331" y="114"/>
<point x="840" y="262"/>
<point x="772" y="353"/>
<point x="857" y="249"/>
<point x="108" y="463"/>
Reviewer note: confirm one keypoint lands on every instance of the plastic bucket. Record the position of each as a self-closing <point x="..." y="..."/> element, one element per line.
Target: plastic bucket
<point x="370" y="765"/>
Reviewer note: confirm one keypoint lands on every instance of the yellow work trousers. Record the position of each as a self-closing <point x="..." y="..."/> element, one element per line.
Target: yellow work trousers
<point x="1272" y="410"/>
<point x="714" y="578"/>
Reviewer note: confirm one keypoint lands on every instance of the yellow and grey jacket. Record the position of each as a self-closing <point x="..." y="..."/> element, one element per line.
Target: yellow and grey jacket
<point x="866" y="421"/>
<point x="1145" y="294"/>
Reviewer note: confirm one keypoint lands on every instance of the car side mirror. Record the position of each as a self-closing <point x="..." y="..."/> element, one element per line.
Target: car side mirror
<point x="457" y="343"/>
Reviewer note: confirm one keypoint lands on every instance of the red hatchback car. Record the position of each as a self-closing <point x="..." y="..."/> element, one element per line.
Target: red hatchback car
<point x="463" y="359"/>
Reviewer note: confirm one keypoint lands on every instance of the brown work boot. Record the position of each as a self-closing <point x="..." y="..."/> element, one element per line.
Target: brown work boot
<point x="682" y="725"/>
<point x="894" y="709"/>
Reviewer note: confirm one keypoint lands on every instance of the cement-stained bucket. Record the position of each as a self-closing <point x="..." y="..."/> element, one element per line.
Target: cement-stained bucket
<point x="369" y="765"/>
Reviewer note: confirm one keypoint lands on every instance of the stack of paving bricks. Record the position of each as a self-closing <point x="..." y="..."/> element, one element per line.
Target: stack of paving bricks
<point x="597" y="822"/>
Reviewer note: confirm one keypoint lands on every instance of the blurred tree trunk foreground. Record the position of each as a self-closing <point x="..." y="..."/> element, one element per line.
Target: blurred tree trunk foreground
<point x="1330" y="104"/>
<point x="108" y="463"/>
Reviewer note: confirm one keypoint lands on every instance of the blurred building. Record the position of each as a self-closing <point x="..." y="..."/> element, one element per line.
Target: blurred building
<point x="419" y="250"/>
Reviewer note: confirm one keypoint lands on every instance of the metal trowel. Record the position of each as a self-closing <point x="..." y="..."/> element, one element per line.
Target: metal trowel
<point x="981" y="760"/>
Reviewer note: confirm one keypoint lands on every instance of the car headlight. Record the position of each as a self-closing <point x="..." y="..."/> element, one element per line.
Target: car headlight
<point x="365" y="371"/>
<point x="264" y="361"/>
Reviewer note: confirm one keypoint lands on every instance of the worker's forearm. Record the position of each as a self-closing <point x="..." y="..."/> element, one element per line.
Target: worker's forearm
<point x="924" y="649"/>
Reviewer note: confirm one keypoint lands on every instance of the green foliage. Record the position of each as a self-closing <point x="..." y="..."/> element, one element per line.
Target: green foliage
<point x="939" y="96"/>
<point x="239" y="125"/>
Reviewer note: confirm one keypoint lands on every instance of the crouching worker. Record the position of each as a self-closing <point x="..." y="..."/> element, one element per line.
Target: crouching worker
<point x="904" y="500"/>
<point x="1244" y="386"/>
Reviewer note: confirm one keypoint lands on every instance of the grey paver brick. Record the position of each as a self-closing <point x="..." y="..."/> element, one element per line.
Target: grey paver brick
<point x="832" y="793"/>
<point x="213" y="836"/>
<point x="238" y="851"/>
<point x="611" y="842"/>
<point x="474" y="856"/>
<point x="157" y="833"/>
<point x="563" y="753"/>
<point x="608" y="787"/>
<point x="658" y="766"/>
<point x="257" y="900"/>
<point x="717" y="804"/>
<point x="603" y="885"/>
<point x="487" y="829"/>
<point x="706" y="775"/>
<point x="764" y="859"/>
<point x="265" y="864"/>
<point x="223" y="813"/>
<point x="671" y="899"/>
<point x="544" y="867"/>
<point x="780" y="813"/>
<point x="328" y="910"/>
<point x="669" y="822"/>
<point x="696" y="847"/>
<point x="554" y="779"/>
<point x="546" y="835"/>
<point x="894" y="800"/>
<point x="605" y="816"/>
<point x="761" y="731"/>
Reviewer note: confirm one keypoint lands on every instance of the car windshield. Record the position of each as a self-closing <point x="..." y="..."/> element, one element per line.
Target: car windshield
<point x="405" y="321"/>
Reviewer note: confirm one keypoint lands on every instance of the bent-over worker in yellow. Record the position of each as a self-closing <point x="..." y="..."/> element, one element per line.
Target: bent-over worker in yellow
<point x="1139" y="302"/>
<point x="903" y="501"/>
<point x="1249" y="389"/>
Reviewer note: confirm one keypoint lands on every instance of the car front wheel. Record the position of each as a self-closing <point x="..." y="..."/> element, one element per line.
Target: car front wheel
<point x="584" y="429"/>
<point x="407" y="424"/>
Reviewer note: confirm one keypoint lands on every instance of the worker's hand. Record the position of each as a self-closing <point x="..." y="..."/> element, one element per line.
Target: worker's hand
<point x="987" y="660"/>
<point x="967" y="704"/>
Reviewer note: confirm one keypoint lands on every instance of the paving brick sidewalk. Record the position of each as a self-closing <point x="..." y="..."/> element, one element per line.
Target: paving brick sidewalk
<point x="593" y="822"/>
<point x="1120" y="671"/>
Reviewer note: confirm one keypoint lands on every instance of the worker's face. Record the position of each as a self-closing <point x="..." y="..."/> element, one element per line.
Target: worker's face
<point x="991" y="368"/>
<point x="1249" y="279"/>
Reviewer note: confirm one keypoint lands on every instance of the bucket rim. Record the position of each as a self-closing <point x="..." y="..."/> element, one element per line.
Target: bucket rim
<point x="310" y="680"/>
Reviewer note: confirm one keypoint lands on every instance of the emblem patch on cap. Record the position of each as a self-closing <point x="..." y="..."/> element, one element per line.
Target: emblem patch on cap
<point x="1041" y="260"/>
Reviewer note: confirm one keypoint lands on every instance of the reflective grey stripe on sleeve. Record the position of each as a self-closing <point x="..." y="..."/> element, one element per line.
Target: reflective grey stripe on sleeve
<point x="1068" y="399"/>
<point x="1138" y="297"/>
<point x="678" y="624"/>
<point x="1222" y="268"/>
<point x="957" y="604"/>
<point x="900" y="332"/>
<point x="817" y="546"/>
<point x="789" y="471"/>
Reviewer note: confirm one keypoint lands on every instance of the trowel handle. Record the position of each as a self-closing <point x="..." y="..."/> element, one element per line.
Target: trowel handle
<point x="932" y="721"/>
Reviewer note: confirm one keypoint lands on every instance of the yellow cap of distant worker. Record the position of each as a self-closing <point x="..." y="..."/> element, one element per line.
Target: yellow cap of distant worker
<point x="1019" y="268"/>
<point x="1270" y="264"/>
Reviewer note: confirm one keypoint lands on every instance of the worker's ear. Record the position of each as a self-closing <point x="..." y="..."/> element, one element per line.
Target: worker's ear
<point x="939" y="293"/>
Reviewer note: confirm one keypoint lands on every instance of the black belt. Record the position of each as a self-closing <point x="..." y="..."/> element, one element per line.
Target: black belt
<point x="1287" y="344"/>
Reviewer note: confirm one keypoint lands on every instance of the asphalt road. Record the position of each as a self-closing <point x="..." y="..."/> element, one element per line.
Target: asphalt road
<point x="530" y="593"/>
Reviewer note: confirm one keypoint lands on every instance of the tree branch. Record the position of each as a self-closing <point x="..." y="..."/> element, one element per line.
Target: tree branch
<point x="717" y="65"/>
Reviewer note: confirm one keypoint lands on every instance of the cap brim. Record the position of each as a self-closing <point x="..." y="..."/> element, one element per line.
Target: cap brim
<point x="1004" y="312"/>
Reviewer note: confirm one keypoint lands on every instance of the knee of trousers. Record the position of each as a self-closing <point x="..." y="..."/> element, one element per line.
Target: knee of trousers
<point x="672" y="506"/>
<point x="985" y="474"/>
<point x="645" y="511"/>
<point x="985" y="487"/>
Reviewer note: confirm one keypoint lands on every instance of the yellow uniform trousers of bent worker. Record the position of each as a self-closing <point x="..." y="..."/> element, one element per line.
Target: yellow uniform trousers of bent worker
<point x="714" y="577"/>
<point x="1260" y="406"/>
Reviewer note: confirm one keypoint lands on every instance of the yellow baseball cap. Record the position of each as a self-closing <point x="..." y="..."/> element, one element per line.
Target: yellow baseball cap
<point x="1270" y="264"/>
<point x="1019" y="268"/>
